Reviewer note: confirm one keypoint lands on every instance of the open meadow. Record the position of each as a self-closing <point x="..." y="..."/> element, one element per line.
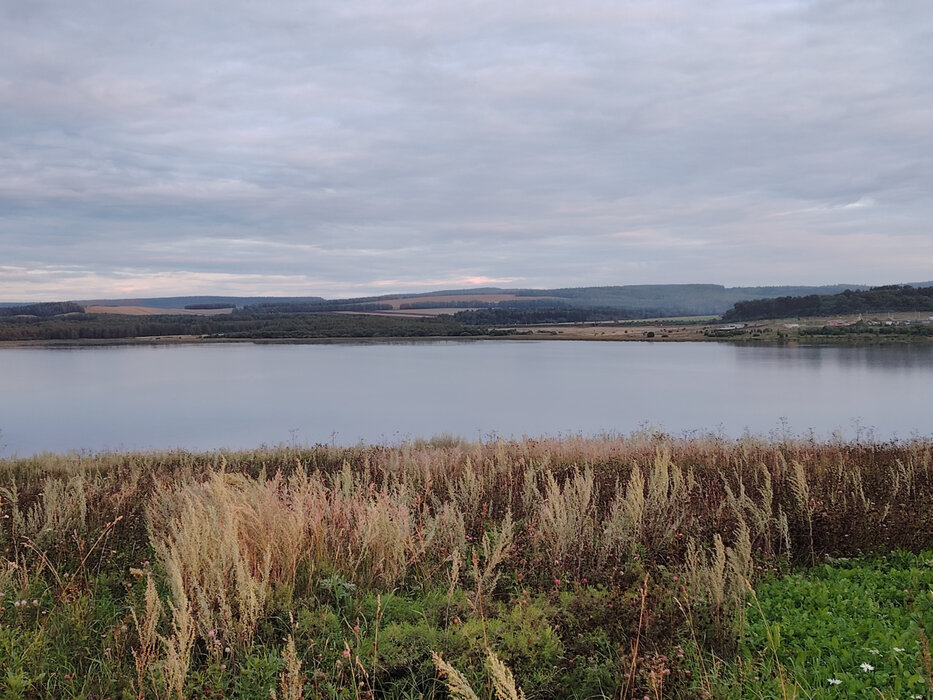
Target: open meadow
<point x="636" y="567"/>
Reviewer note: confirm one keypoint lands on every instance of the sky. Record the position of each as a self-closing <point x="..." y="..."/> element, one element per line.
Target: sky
<point x="362" y="147"/>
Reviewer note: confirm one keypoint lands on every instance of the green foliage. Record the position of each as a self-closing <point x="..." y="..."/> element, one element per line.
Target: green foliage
<point x="257" y="676"/>
<point x="861" y="622"/>
<point x="338" y="590"/>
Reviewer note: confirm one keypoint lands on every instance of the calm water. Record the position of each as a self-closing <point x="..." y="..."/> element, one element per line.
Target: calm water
<point x="238" y="396"/>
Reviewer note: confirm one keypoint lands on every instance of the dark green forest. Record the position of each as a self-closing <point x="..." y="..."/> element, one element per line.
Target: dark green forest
<point x="875" y="300"/>
<point x="43" y="310"/>
<point x="239" y="325"/>
<point x="514" y="315"/>
<point x="299" y="307"/>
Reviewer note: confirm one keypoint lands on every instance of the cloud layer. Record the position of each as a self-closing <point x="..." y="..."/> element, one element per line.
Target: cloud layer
<point x="347" y="148"/>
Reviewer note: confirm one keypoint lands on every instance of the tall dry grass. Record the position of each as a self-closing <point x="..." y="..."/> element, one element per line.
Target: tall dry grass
<point x="228" y="531"/>
<point x="380" y="514"/>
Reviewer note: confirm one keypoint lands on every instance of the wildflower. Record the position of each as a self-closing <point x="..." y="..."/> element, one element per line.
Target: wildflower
<point x="223" y="667"/>
<point x="521" y="576"/>
<point x="557" y="582"/>
<point x="35" y="603"/>
<point x="211" y="633"/>
<point x="346" y="653"/>
<point x="898" y="649"/>
<point x="226" y="650"/>
<point x="867" y="667"/>
<point x="833" y="681"/>
<point x="874" y="651"/>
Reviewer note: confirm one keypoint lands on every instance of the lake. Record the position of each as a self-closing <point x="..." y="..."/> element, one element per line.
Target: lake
<point x="245" y="395"/>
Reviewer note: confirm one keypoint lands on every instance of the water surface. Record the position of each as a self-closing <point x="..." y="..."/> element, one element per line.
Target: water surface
<point x="245" y="395"/>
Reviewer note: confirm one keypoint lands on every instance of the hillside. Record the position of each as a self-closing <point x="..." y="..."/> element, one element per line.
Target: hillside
<point x="633" y="301"/>
<point x="182" y="302"/>
<point x="621" y="301"/>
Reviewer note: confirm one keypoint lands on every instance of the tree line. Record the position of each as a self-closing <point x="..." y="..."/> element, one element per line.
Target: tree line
<point x="304" y="307"/>
<point x="529" y="315"/>
<point x="242" y="325"/>
<point x="874" y="300"/>
<point x="42" y="310"/>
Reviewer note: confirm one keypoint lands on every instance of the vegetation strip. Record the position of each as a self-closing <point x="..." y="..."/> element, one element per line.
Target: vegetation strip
<point x="643" y="566"/>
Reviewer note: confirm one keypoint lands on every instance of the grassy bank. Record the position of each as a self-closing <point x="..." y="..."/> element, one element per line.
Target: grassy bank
<point x="589" y="568"/>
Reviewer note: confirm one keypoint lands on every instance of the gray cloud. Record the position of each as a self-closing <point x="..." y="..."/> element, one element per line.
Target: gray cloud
<point x="341" y="148"/>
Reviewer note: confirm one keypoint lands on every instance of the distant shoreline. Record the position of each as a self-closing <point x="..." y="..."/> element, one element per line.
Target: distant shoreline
<point x="565" y="334"/>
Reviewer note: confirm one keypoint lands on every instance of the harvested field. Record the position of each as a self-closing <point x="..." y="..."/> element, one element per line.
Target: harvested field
<point x="153" y="311"/>
<point x="440" y="298"/>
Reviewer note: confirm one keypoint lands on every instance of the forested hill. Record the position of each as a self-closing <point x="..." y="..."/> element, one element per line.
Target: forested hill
<point x="42" y="310"/>
<point x="647" y="300"/>
<point x="874" y="300"/>
<point x="620" y="301"/>
<point x="197" y="301"/>
<point x="627" y="301"/>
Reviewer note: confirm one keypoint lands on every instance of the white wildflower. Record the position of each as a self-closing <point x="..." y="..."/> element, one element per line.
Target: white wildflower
<point x="898" y="649"/>
<point x="833" y="681"/>
<point x="867" y="667"/>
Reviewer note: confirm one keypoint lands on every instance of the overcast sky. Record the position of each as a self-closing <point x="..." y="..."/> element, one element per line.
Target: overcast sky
<point x="367" y="146"/>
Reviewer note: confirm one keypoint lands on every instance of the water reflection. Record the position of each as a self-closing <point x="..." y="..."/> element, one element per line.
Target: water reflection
<point x="908" y="357"/>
